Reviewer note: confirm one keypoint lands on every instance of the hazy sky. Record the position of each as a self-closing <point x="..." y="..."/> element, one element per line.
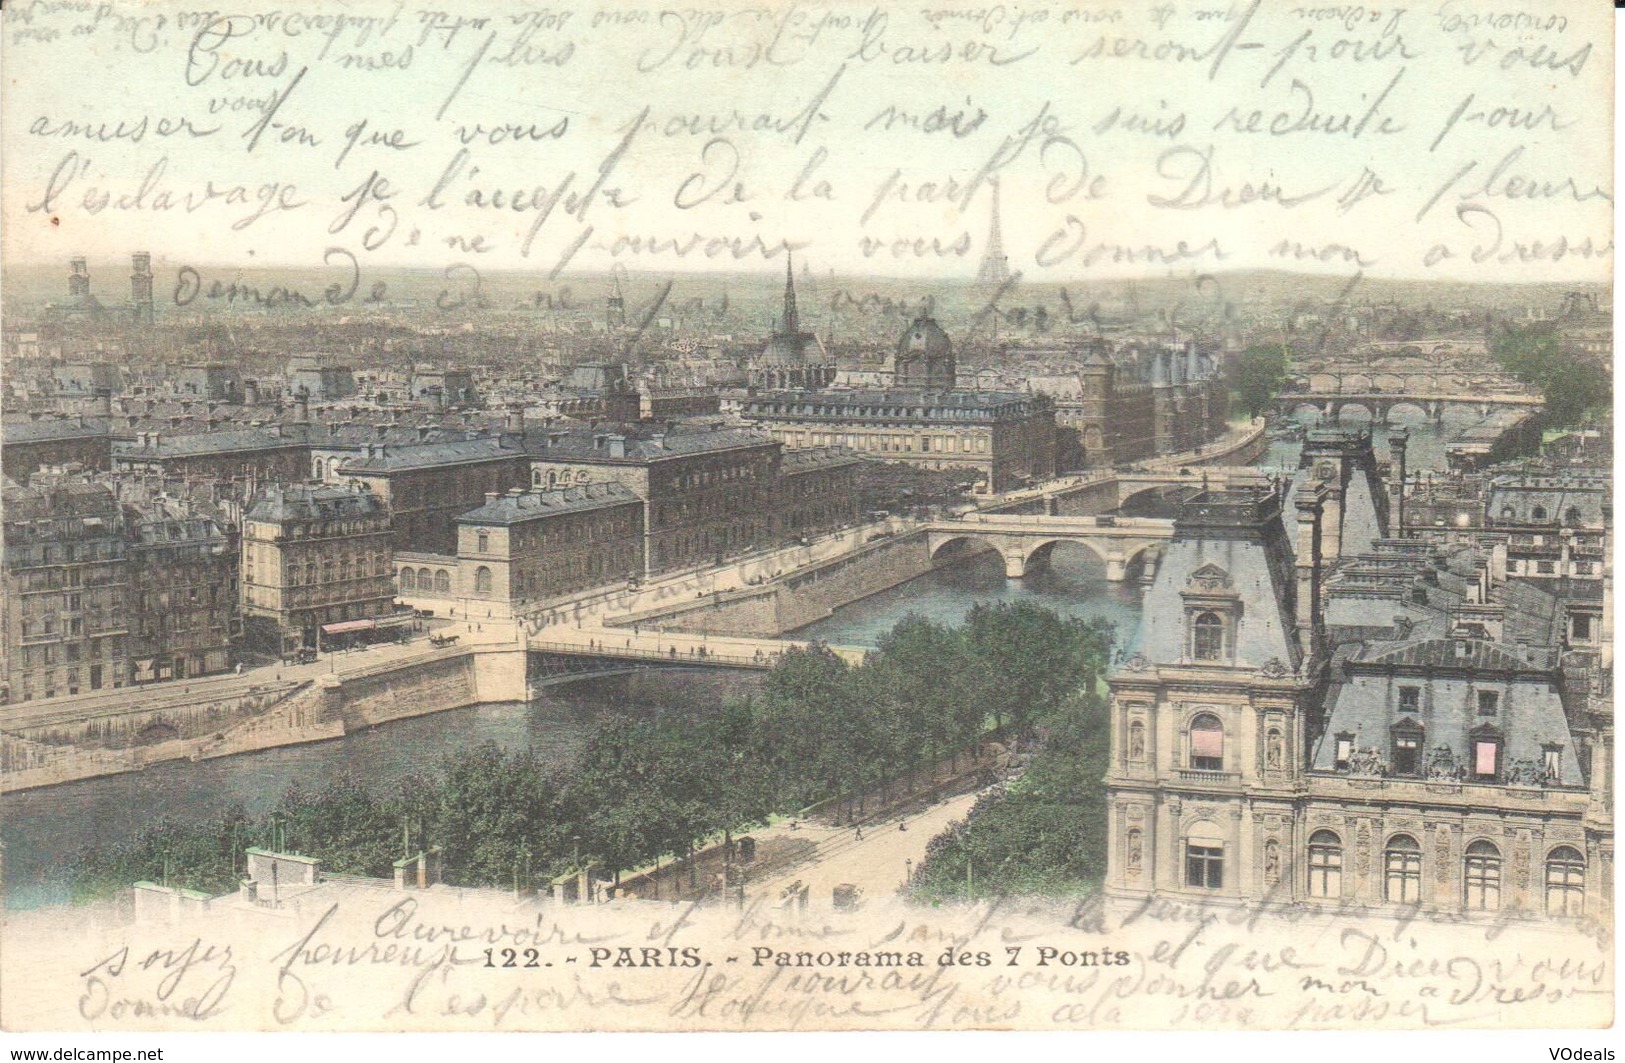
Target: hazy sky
<point x="1135" y="140"/>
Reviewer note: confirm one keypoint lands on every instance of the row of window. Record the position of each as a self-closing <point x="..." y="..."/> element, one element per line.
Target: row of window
<point x="1402" y="872"/>
<point x="435" y="582"/>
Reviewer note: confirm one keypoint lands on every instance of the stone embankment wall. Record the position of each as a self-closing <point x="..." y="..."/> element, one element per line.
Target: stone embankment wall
<point x="220" y="724"/>
<point x="794" y="601"/>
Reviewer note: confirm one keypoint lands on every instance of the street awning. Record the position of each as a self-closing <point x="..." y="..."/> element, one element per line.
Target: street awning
<point x="348" y="626"/>
<point x="397" y="621"/>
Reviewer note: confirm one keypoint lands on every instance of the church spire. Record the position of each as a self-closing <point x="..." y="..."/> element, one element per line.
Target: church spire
<point x="791" y="325"/>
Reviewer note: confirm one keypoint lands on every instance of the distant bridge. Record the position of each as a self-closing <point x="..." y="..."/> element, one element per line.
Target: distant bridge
<point x="1025" y="539"/>
<point x="1099" y="492"/>
<point x="561" y="653"/>
<point x="1381" y="405"/>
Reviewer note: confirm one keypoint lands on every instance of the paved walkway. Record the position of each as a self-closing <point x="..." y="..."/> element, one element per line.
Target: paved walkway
<point x="878" y="863"/>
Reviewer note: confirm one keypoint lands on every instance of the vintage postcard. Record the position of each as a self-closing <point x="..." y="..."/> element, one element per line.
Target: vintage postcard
<point x="813" y="516"/>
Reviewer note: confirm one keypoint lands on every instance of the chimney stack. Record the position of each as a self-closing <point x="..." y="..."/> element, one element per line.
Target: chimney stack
<point x="1310" y="504"/>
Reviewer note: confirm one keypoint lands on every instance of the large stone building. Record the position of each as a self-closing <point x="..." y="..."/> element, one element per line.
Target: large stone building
<point x="817" y="491"/>
<point x="528" y="547"/>
<point x="707" y="494"/>
<point x="1001" y="439"/>
<point x="65" y="611"/>
<point x="1330" y="719"/>
<point x="1138" y="400"/>
<point x="427" y="486"/>
<point x="28" y="445"/>
<point x="316" y="564"/>
<point x="243" y="457"/>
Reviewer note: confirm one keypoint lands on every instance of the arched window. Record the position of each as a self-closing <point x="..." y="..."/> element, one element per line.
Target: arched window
<point x="1325" y="864"/>
<point x="316" y="468"/>
<point x="442" y="582"/>
<point x="1483" y="878"/>
<point x="310" y="572"/>
<point x="1206" y="743"/>
<point x="1537" y="513"/>
<point x="1402" y="870"/>
<point x="482" y="542"/>
<point x="536" y="477"/>
<point x="409" y="581"/>
<point x="1207" y="637"/>
<point x="1565" y="882"/>
<point x="1571" y="516"/>
<point x="425" y="581"/>
<point x="482" y="580"/>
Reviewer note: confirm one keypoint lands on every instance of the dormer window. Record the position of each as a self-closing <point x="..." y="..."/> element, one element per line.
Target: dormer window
<point x="1551" y="771"/>
<point x="1538" y="513"/>
<point x="1410" y="699"/>
<point x="1406" y="753"/>
<point x="1486" y="748"/>
<point x="1207" y="637"/>
<point x="1488" y="702"/>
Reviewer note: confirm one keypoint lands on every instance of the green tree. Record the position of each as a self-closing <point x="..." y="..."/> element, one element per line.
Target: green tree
<point x="1045" y="833"/>
<point x="1577" y="389"/>
<point x="1259" y="376"/>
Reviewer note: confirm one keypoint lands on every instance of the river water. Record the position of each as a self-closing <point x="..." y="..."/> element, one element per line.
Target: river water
<point x="43" y="829"/>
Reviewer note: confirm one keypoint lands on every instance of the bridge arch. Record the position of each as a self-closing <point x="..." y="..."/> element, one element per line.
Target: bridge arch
<point x="1039" y="551"/>
<point x="957" y="545"/>
<point x="1305" y="411"/>
<point x="1417" y="408"/>
<point x="1373" y="411"/>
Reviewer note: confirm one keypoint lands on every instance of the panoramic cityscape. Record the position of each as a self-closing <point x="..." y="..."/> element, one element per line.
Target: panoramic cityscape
<point x="1251" y="588"/>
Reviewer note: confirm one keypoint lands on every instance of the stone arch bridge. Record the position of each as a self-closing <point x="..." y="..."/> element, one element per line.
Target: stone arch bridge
<point x="1024" y="540"/>
<point x="1382" y="405"/>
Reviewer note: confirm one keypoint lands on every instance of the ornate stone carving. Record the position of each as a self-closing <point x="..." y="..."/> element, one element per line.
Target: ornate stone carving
<point x="1274" y="750"/>
<point x="1274" y="668"/>
<point x="1210" y="578"/>
<point x="1443" y="766"/>
<point x="1362" y="848"/>
<point x="1367" y="761"/>
<point x="1137" y="662"/>
<point x="1272" y="862"/>
<point x="1524" y="772"/>
<point x="1441" y="856"/>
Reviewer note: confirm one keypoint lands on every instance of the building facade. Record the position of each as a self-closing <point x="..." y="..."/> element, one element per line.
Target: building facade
<point x="707" y="494"/>
<point x="1342" y="720"/>
<point x="184" y="597"/>
<point x="66" y="606"/>
<point x="527" y="547"/>
<point x="428" y="485"/>
<point x="315" y="563"/>
<point x="1002" y="439"/>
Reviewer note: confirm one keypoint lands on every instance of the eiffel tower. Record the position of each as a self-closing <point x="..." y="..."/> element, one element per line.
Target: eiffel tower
<point x="995" y="267"/>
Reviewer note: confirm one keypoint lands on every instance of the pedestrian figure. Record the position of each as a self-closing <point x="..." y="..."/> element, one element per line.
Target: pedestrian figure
<point x="860" y="833"/>
<point x="901" y="825"/>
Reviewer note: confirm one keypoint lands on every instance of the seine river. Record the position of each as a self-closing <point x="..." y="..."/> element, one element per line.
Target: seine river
<point x="43" y="828"/>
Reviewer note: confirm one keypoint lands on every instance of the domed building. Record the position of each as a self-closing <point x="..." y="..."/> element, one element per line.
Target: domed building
<point x="925" y="357"/>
